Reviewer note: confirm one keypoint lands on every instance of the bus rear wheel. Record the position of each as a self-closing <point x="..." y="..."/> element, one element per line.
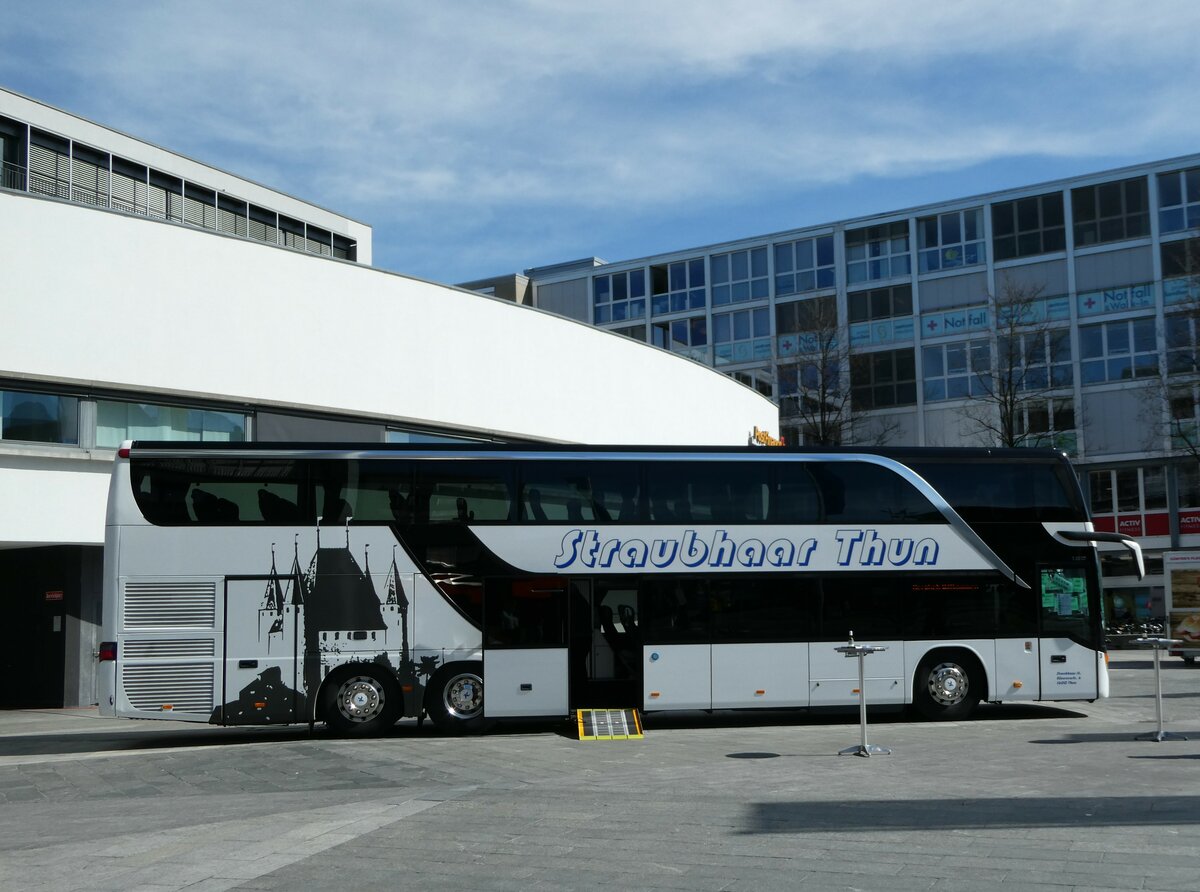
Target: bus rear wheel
<point x="947" y="686"/>
<point x="454" y="698"/>
<point x="361" y="701"/>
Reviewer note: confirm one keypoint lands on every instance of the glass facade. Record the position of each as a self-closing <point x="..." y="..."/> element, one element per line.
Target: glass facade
<point x="804" y="265"/>
<point x="119" y="421"/>
<point x="1179" y="200"/>
<point x="38" y="417"/>
<point x="951" y="240"/>
<point x="878" y="252"/>
<point x="740" y="276"/>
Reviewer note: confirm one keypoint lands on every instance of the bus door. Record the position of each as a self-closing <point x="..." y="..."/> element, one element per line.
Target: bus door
<point x="1068" y="667"/>
<point x="525" y="658"/>
<point x="262" y="678"/>
<point x="612" y="668"/>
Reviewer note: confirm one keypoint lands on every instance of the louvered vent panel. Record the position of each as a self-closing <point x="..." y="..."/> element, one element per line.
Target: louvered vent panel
<point x="141" y="650"/>
<point x="173" y="605"/>
<point x="183" y="687"/>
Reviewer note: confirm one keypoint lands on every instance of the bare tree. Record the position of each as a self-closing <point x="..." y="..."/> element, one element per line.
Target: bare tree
<point x="1020" y="396"/>
<point x="816" y="399"/>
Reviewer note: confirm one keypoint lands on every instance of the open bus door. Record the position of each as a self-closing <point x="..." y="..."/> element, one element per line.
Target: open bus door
<point x="525" y="647"/>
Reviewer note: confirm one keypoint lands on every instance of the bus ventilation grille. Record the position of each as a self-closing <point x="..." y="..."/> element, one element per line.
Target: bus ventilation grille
<point x="171" y="687"/>
<point x="170" y="605"/>
<point x="609" y="724"/>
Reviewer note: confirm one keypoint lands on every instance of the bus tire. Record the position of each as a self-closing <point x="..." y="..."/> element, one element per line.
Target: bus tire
<point x="361" y="700"/>
<point x="948" y="685"/>
<point x="454" y="698"/>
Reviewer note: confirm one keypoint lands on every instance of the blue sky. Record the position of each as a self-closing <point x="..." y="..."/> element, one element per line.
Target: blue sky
<point x="484" y="138"/>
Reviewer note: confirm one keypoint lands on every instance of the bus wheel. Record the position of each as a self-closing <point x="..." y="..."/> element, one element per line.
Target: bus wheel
<point x="361" y="701"/>
<point x="454" y="698"/>
<point x="947" y="686"/>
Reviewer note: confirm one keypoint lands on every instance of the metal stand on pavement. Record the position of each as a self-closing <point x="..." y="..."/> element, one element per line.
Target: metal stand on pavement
<point x="860" y="651"/>
<point x="1159" y="645"/>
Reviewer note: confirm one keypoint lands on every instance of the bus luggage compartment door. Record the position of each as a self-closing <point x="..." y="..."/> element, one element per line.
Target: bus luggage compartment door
<point x="525" y="648"/>
<point x="261" y="684"/>
<point x="677" y="676"/>
<point x="834" y="676"/>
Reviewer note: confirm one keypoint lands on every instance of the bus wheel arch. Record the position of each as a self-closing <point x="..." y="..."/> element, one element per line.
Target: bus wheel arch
<point x="360" y="700"/>
<point x="948" y="683"/>
<point x="454" y="697"/>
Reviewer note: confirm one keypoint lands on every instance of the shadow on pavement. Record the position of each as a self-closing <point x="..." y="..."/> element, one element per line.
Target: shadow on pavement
<point x="960" y="814"/>
<point x="1108" y="737"/>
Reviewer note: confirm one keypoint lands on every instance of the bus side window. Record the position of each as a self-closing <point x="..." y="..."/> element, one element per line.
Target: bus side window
<point x="797" y="497"/>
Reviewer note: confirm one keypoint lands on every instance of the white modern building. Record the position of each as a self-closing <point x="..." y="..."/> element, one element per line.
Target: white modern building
<point x="147" y="295"/>
<point x="1109" y="365"/>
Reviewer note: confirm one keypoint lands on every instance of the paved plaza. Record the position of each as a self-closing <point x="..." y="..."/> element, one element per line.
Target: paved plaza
<point x="1019" y="797"/>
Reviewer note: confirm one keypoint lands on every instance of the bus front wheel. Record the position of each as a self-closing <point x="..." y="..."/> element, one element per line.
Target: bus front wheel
<point x="454" y="698"/>
<point x="361" y="701"/>
<point x="947" y="686"/>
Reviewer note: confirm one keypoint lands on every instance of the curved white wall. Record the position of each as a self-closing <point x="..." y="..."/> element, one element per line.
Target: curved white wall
<point x="98" y="297"/>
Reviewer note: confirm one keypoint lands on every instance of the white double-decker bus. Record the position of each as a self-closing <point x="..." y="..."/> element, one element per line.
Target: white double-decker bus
<point x="269" y="584"/>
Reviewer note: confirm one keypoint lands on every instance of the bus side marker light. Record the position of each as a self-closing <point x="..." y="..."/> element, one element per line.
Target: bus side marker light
<point x="759" y="693"/>
<point x="654" y="694"/>
<point x="167" y="707"/>
<point x="1018" y="684"/>
<point x="855" y="691"/>
<point x="407" y="688"/>
<point x="260" y="704"/>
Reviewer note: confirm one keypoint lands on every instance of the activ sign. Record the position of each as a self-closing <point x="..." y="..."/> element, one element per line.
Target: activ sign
<point x="731" y="549"/>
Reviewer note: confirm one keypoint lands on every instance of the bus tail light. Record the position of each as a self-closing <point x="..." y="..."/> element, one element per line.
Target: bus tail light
<point x="107" y="651"/>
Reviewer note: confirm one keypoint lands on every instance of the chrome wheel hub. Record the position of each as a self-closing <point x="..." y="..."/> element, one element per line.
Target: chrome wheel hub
<point x="463" y="696"/>
<point x="948" y="684"/>
<point x="360" y="699"/>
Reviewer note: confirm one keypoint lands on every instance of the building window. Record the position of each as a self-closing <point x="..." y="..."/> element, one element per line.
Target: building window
<point x="39" y="417"/>
<point x="804" y="265"/>
<point x="1039" y="359"/>
<point x="1185" y="416"/>
<point x="688" y="337"/>
<point x="1110" y="212"/>
<point x="882" y="379"/>
<point x="740" y="276"/>
<point x="1137" y="496"/>
<point x="742" y="336"/>
<point x="870" y="315"/>
<point x="1117" y="351"/>
<point x="818" y="314"/>
<point x="1179" y="200"/>
<point x="948" y="241"/>
<point x="877" y="252"/>
<point x="402" y="436"/>
<point x="1050" y="423"/>
<point x="759" y="379"/>
<point x="619" y="296"/>
<point x="1181" y="258"/>
<point x="635" y="332"/>
<point x="1181" y="344"/>
<point x="1028" y="226"/>
<point x="1187" y="485"/>
<point x="119" y="421"/>
<point x="879" y="303"/>
<point x="954" y="371"/>
<point x="677" y="286"/>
